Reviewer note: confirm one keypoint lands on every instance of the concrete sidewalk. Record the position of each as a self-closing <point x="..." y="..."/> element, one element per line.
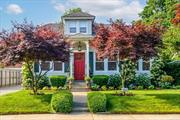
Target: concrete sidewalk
<point x="9" y="89"/>
<point x="89" y="116"/>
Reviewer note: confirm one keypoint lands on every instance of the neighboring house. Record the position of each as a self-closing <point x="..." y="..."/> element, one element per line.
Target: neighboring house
<point x="83" y="61"/>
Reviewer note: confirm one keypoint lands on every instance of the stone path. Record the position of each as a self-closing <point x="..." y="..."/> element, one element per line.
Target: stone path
<point x="79" y="92"/>
<point x="9" y="89"/>
<point x="89" y="116"/>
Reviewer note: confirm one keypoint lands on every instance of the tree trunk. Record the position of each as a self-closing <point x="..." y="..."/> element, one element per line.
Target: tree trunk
<point x="32" y="77"/>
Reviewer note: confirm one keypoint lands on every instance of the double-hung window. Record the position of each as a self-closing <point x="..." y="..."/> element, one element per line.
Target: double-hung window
<point x="82" y="29"/>
<point x="83" y="25"/>
<point x="99" y="64"/>
<point x="72" y="29"/>
<point x="112" y="64"/>
<point x="146" y="65"/>
<point x="45" y="65"/>
<point x="58" y="66"/>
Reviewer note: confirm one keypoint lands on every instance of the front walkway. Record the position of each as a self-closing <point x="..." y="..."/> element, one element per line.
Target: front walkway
<point x="79" y="92"/>
<point x="9" y="89"/>
<point x="89" y="116"/>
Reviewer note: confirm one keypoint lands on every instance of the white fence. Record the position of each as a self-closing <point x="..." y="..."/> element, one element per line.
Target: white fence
<point x="10" y="76"/>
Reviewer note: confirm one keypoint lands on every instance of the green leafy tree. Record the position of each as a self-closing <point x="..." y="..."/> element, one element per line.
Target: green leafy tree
<point x="162" y="11"/>
<point x="157" y="71"/>
<point x="128" y="72"/>
<point x="73" y="10"/>
<point x="171" y="40"/>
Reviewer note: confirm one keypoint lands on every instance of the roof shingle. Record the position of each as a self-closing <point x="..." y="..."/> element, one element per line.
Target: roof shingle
<point x="79" y="14"/>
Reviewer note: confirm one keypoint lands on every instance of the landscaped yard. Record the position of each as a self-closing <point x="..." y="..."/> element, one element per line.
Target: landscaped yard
<point x="145" y="101"/>
<point x="23" y="102"/>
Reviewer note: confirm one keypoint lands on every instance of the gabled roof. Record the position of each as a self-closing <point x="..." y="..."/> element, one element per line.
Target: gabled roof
<point x="79" y="15"/>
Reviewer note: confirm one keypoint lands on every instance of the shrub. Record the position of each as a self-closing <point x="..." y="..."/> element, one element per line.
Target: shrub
<point x="114" y="81"/>
<point x="95" y="87"/>
<point x="142" y="80"/>
<point x="157" y="71"/>
<point x="167" y="78"/>
<point x="151" y="87"/>
<point x="97" y="102"/>
<point x="26" y="77"/>
<point x="58" y="81"/>
<point x="128" y="72"/>
<point x="178" y="87"/>
<point x="87" y="79"/>
<point x="111" y="88"/>
<point x="140" y="87"/>
<point x="62" y="102"/>
<point x="70" y="79"/>
<point x="132" y="86"/>
<point x="43" y="82"/>
<point x="100" y="80"/>
<point x="104" y="88"/>
<point x="165" y="85"/>
<point x="173" y="69"/>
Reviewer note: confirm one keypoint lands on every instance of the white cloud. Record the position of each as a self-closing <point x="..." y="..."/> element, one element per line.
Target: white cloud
<point x="125" y="9"/>
<point x="58" y="6"/>
<point x="14" y="9"/>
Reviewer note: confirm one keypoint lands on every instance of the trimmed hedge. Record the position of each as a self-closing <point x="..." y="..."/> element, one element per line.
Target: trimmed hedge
<point x="114" y="81"/>
<point x="173" y="69"/>
<point x="100" y="80"/>
<point x="97" y="102"/>
<point x="62" y="102"/>
<point x="58" y="81"/>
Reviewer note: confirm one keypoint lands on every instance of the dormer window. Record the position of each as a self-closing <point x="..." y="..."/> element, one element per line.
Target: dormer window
<point x="72" y="29"/>
<point x="82" y="29"/>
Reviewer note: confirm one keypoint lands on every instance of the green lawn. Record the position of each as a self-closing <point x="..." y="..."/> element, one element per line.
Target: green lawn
<point x="145" y="101"/>
<point x="23" y="102"/>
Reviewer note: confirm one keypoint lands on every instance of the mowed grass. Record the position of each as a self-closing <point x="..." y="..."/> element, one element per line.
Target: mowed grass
<point x="145" y="101"/>
<point x="24" y="102"/>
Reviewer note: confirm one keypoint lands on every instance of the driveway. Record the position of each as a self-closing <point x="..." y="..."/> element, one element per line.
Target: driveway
<point x="89" y="116"/>
<point x="9" y="89"/>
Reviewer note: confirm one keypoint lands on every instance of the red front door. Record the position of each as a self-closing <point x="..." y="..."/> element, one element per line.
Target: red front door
<point x="79" y="66"/>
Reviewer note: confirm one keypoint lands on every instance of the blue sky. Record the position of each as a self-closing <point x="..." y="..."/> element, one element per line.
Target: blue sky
<point x="50" y="11"/>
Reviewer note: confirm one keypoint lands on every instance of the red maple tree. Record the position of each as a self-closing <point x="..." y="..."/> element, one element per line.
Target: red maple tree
<point x="176" y="20"/>
<point x="28" y="43"/>
<point x="127" y="41"/>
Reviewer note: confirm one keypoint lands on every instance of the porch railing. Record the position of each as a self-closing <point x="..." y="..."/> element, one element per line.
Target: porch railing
<point x="10" y="76"/>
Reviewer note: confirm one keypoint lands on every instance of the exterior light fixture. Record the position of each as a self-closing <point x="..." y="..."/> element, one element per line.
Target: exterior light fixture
<point x="79" y="46"/>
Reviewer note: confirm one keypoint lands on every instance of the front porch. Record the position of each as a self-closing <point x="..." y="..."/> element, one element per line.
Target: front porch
<point x="79" y="59"/>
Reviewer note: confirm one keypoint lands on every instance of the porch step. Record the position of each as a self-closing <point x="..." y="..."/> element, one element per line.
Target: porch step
<point x="80" y="107"/>
<point x="79" y="89"/>
<point x="79" y="86"/>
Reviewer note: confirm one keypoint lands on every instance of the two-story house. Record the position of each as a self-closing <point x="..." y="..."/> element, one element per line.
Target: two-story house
<point x="83" y="61"/>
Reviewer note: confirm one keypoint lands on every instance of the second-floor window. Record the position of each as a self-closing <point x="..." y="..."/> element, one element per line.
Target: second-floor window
<point x="82" y="29"/>
<point x="72" y="29"/>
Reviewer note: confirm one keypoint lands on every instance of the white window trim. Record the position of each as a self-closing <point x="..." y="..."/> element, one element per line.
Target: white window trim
<point x="140" y="66"/>
<point x="72" y="32"/>
<point x="82" y="32"/>
<point x="52" y="66"/>
<point x="116" y="66"/>
<point x="105" y="71"/>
